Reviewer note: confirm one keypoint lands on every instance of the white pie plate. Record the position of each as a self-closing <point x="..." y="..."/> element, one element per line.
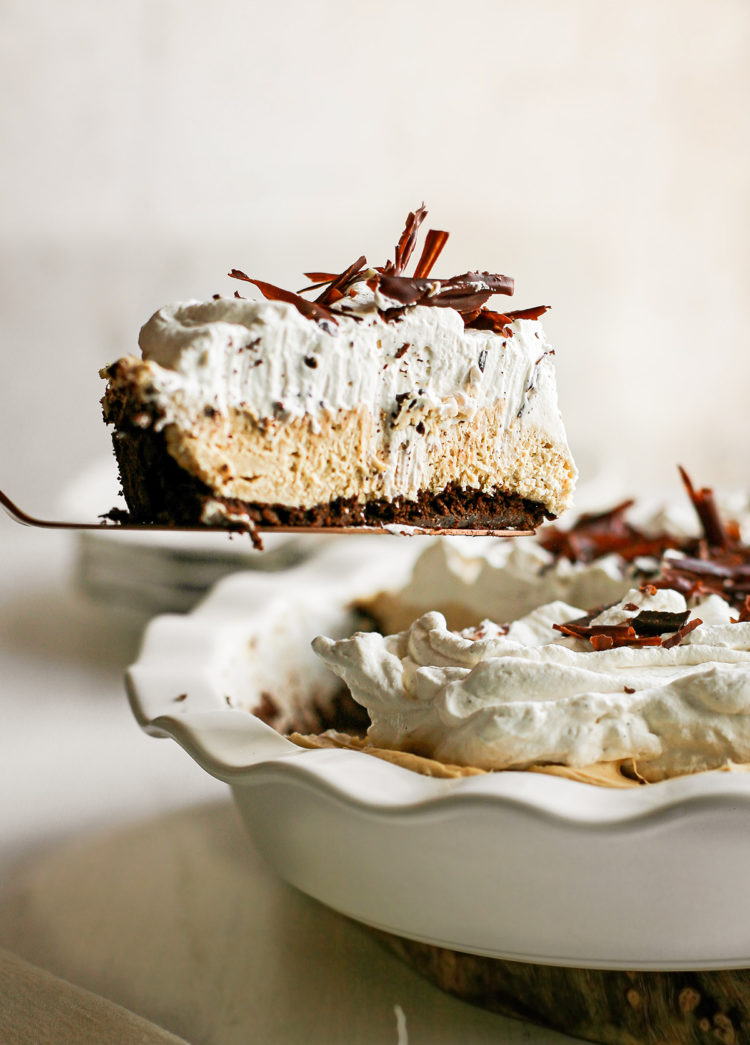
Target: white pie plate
<point x="511" y="865"/>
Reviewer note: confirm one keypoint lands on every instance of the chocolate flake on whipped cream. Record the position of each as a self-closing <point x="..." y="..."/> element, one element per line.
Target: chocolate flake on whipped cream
<point x="309" y="309"/>
<point x="501" y="322"/>
<point x="716" y="533"/>
<point x="434" y="242"/>
<point x="338" y="287"/>
<point x="407" y="242"/>
<point x="638" y="632"/>
<point x="715" y="563"/>
<point x="467" y="293"/>
<point x="680" y="634"/>
<point x="595" y="535"/>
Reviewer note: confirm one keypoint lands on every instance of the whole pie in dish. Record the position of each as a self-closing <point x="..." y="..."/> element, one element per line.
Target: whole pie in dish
<point x="383" y="399"/>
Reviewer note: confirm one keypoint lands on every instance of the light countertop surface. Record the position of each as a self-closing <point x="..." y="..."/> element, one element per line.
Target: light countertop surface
<point x="125" y="869"/>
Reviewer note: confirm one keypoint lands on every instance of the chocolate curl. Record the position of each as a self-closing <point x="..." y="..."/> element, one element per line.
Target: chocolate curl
<point x="466" y="293"/>
<point x="705" y="507"/>
<point x="309" y="309"/>
<point x="499" y="322"/>
<point x="587" y="631"/>
<point x="678" y="636"/>
<point x="657" y="622"/>
<point x="528" y="313"/>
<point x="319" y="279"/>
<point x="486" y="319"/>
<point x="644" y="630"/>
<point x="602" y="642"/>
<point x="705" y="568"/>
<point x="607" y="636"/>
<point x="617" y="636"/>
<point x="433" y="248"/>
<point x="592" y="535"/>
<point x="336" y="289"/>
<point x="405" y="246"/>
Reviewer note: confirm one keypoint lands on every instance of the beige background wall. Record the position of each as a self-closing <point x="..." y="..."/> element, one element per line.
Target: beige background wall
<point x="596" y="151"/>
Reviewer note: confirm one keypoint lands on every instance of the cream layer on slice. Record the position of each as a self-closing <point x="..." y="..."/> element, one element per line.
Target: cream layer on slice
<point x="265" y="405"/>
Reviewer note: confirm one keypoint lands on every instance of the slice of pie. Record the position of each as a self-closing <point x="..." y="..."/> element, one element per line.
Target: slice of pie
<point x="386" y="399"/>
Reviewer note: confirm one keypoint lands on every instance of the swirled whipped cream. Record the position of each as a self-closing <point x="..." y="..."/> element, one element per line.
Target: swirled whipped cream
<point x="512" y="696"/>
<point x="467" y="581"/>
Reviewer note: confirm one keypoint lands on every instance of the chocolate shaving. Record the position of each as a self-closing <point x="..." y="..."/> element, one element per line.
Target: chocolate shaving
<point x="319" y="283"/>
<point x="607" y="636"/>
<point x="644" y="630"/>
<point x="321" y="277"/>
<point x="706" y="568"/>
<point x="309" y="309"/>
<point x="500" y="322"/>
<point x="587" y="631"/>
<point x="604" y="642"/>
<point x="528" y="313"/>
<point x="433" y="248"/>
<point x="593" y="536"/>
<point x="705" y="506"/>
<point x="465" y="293"/>
<point x="407" y="243"/>
<point x="657" y="622"/>
<point x="718" y="563"/>
<point x="679" y="635"/>
<point x="486" y="319"/>
<point x="338" y="287"/>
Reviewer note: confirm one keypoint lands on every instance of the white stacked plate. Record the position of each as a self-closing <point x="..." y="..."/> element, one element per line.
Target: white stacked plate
<point x="160" y="572"/>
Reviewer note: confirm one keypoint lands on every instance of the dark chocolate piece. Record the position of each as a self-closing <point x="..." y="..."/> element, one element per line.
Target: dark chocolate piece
<point x="657" y="622"/>
<point x="338" y="287"/>
<point x="309" y="309"/>
<point x="705" y="506"/>
<point x="464" y="293"/>
<point x="407" y="243"/>
<point x="433" y="248"/>
<point x="680" y="634"/>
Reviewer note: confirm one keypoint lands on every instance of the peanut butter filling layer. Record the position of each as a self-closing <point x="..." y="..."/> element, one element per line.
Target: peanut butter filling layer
<point x="305" y="462"/>
<point x="620" y="774"/>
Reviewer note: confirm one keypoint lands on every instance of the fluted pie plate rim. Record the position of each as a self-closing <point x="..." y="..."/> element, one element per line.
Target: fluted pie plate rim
<point x="513" y="865"/>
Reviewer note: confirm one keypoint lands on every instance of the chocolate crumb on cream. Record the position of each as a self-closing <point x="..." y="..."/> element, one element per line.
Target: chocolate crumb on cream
<point x="388" y="398"/>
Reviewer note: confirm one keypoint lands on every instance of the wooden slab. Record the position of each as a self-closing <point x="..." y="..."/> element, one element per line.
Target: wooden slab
<point x="615" y="1008"/>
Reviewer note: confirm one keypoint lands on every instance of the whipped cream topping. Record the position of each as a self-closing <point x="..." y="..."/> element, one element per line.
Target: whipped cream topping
<point x="468" y="579"/>
<point x="506" y="697"/>
<point x="265" y="358"/>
